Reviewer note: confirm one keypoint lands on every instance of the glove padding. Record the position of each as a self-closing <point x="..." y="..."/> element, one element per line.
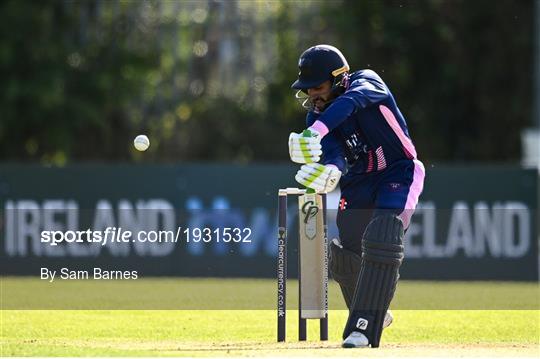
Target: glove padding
<point x="319" y="177"/>
<point x="305" y="147"/>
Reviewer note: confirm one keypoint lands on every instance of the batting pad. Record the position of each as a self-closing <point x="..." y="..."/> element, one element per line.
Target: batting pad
<point x="382" y="254"/>
<point x="345" y="267"/>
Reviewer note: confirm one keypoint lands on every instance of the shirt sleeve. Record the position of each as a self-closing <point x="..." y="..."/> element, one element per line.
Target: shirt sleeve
<point x="333" y="152"/>
<point x="311" y="117"/>
<point x="332" y="148"/>
<point x="363" y="92"/>
<point x="336" y="113"/>
<point x="367" y="90"/>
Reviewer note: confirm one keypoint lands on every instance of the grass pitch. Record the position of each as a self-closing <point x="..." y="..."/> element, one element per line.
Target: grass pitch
<point x="231" y="331"/>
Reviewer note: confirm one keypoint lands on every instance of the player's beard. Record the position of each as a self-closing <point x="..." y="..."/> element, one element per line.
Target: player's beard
<point x="320" y="103"/>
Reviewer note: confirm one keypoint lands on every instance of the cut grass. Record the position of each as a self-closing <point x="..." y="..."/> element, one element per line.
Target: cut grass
<point x="220" y="333"/>
<point x="514" y="329"/>
<point x="247" y="294"/>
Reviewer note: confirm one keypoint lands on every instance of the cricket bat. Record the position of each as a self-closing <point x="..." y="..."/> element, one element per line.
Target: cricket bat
<point x="313" y="265"/>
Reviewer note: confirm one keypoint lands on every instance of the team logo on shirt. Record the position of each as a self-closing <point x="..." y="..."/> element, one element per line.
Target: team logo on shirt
<point x="355" y="144"/>
<point x="342" y="204"/>
<point x="394" y="186"/>
<point x="355" y="149"/>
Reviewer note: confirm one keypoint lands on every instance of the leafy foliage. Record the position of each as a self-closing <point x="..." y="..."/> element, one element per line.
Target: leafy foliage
<point x="210" y="80"/>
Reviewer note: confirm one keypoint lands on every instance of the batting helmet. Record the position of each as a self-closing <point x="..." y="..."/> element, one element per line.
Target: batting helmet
<point x="319" y="64"/>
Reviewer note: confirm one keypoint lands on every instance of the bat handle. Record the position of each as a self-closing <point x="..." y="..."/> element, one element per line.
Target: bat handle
<point x="307" y="133"/>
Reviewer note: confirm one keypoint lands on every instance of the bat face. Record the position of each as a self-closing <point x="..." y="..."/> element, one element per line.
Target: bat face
<point x="313" y="256"/>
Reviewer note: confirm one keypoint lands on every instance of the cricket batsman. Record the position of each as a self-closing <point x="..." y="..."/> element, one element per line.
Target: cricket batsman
<point x="356" y="136"/>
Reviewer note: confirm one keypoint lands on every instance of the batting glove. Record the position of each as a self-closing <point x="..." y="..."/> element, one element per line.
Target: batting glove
<point x="305" y="147"/>
<point x="319" y="177"/>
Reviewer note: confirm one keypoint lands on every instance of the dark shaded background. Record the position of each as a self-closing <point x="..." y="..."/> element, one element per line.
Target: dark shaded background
<point x="209" y="80"/>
